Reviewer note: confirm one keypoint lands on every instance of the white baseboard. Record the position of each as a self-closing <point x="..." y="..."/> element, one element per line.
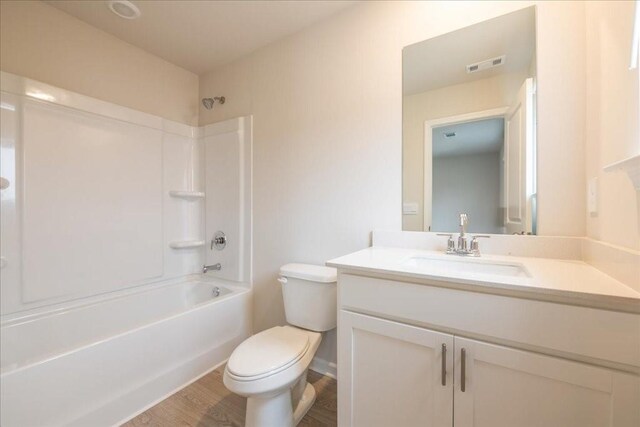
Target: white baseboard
<point x="324" y="367"/>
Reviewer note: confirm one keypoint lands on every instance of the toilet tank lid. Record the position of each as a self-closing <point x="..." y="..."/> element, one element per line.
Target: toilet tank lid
<point x="316" y="273"/>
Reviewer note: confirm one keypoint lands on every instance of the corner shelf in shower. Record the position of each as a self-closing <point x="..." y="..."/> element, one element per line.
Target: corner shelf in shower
<point x="186" y="244"/>
<point x="631" y="166"/>
<point x="184" y="194"/>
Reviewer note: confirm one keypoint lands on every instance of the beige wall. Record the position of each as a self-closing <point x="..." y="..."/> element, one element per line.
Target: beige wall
<point x="494" y="92"/>
<point x="327" y="106"/>
<point x="40" y="42"/>
<point x="612" y="122"/>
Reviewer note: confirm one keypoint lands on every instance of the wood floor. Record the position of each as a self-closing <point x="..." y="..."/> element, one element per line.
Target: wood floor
<point x="207" y="403"/>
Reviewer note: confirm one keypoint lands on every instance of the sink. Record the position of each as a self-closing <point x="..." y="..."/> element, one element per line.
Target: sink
<point x="440" y="266"/>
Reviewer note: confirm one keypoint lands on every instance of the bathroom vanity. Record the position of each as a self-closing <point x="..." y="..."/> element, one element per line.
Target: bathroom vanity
<point x="430" y="339"/>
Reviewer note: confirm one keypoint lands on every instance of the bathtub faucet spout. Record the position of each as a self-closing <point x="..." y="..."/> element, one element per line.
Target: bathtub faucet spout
<point x="206" y="268"/>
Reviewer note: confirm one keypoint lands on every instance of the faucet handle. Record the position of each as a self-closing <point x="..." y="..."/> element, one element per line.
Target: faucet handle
<point x="474" y="247"/>
<point x="451" y="244"/>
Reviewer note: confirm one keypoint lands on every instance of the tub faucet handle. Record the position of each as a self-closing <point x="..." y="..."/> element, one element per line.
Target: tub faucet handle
<point x="219" y="241"/>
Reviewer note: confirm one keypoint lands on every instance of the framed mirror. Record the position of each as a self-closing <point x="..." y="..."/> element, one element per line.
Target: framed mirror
<point x="469" y="134"/>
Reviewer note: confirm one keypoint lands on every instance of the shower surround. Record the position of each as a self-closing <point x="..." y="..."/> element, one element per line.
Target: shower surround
<point x="105" y="216"/>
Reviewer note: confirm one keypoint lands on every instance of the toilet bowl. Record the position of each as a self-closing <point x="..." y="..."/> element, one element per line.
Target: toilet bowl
<point x="270" y="368"/>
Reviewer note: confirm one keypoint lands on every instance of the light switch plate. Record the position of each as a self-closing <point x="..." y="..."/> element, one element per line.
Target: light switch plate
<point x="592" y="196"/>
<point x="410" y="209"/>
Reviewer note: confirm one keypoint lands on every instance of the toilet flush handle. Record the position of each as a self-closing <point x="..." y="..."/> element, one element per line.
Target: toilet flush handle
<point x="282" y="280"/>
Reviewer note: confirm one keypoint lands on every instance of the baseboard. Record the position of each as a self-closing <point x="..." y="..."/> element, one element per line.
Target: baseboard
<point x="324" y="367"/>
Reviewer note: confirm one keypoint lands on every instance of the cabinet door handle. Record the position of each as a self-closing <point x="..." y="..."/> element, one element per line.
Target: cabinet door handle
<point x="463" y="370"/>
<point x="444" y="364"/>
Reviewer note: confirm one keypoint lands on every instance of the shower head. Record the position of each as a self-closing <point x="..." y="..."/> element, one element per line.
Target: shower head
<point x="208" y="102"/>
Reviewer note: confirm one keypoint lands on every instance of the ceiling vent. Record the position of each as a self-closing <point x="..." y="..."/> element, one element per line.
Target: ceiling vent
<point x="485" y="65"/>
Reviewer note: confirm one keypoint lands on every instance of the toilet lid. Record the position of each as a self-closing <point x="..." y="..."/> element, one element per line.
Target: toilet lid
<point x="268" y="352"/>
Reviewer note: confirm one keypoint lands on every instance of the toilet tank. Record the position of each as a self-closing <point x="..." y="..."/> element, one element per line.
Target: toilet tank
<point x="310" y="296"/>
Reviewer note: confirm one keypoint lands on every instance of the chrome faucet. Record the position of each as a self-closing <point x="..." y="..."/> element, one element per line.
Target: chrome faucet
<point x="215" y="267"/>
<point x="462" y="239"/>
<point x="463" y="248"/>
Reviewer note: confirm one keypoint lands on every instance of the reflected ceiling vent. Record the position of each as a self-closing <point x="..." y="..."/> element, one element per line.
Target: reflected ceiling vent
<point x="124" y="9"/>
<point x="485" y="65"/>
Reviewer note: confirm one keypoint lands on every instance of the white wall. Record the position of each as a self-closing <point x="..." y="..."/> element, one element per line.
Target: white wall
<point x="479" y="95"/>
<point x="612" y="122"/>
<point x="560" y="55"/>
<point x="43" y="43"/>
<point x="467" y="184"/>
<point x="327" y="106"/>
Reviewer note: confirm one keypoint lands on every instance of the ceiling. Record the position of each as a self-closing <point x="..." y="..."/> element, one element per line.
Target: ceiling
<point x="441" y="61"/>
<point x="203" y="35"/>
<point x="479" y="137"/>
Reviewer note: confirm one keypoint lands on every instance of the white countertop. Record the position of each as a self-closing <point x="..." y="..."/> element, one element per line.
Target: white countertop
<point x="566" y="281"/>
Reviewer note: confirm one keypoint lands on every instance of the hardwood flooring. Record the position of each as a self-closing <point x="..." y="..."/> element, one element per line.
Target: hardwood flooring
<point x="207" y="403"/>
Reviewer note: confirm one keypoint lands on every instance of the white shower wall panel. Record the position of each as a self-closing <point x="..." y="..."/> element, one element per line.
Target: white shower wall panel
<point x="10" y="221"/>
<point x="87" y="211"/>
<point x="228" y="151"/>
<point x="183" y="166"/>
<point x="92" y="201"/>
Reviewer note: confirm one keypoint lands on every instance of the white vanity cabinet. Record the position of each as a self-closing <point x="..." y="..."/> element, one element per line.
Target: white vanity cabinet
<point x="509" y="387"/>
<point x="406" y="358"/>
<point x="399" y="375"/>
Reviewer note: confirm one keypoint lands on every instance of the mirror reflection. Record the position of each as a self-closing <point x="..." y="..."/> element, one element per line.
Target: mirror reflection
<point x="469" y="128"/>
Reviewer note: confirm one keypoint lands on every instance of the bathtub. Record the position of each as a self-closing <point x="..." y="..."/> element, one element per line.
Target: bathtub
<point x="103" y="363"/>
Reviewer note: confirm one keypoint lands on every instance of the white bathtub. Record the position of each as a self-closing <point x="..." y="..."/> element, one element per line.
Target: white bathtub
<point x="101" y="364"/>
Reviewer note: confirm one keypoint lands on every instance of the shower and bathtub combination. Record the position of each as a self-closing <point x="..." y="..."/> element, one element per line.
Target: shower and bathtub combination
<point x="108" y="217"/>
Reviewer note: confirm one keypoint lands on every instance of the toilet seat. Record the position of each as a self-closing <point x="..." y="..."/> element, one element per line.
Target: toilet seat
<point x="268" y="352"/>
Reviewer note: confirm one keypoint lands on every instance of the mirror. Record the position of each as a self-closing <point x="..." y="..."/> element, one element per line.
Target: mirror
<point x="469" y="137"/>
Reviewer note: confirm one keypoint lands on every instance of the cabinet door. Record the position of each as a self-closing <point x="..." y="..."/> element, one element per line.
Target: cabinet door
<point x="508" y="387"/>
<point x="391" y="374"/>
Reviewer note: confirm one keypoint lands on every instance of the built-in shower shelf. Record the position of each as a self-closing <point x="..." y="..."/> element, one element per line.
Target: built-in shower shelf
<point x="186" y="244"/>
<point x="631" y="166"/>
<point x="187" y="194"/>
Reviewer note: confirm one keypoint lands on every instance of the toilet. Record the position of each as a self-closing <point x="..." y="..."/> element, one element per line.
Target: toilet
<point x="270" y="368"/>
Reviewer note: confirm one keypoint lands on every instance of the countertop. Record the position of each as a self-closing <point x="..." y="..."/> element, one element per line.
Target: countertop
<point x="564" y="281"/>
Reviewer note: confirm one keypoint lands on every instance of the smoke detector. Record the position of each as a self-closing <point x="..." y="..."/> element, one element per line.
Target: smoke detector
<point x="486" y="64"/>
<point x="124" y="9"/>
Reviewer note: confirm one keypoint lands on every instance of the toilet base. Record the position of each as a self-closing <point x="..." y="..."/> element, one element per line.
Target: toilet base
<point x="276" y="411"/>
<point x="305" y="403"/>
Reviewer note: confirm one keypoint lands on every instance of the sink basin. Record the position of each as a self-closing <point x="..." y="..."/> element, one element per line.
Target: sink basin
<point x="440" y="266"/>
